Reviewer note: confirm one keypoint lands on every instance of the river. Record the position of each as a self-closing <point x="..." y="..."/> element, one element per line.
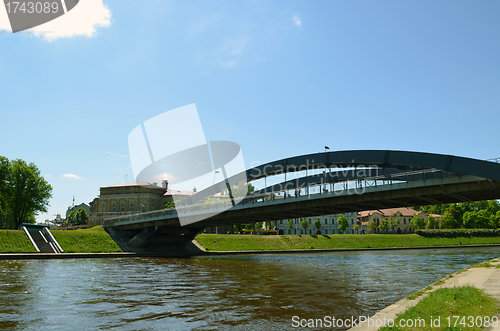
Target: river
<point x="242" y="292"/>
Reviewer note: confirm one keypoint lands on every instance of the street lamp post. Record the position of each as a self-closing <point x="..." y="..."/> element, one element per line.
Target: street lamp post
<point x="215" y="174"/>
<point x="324" y="173"/>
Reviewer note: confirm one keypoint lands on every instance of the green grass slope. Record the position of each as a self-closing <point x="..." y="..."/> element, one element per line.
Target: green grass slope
<point x="458" y="308"/>
<point x="15" y="241"/>
<point x="235" y="242"/>
<point x="93" y="240"/>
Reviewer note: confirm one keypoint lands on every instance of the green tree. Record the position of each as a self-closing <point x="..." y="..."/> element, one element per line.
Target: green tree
<point x="4" y="174"/>
<point x="456" y="211"/>
<point x="70" y="218"/>
<point x="384" y="224"/>
<point x="27" y="193"/>
<point x="317" y="225"/>
<point x="417" y="222"/>
<point x="493" y="207"/>
<point x="468" y="219"/>
<point x="240" y="190"/>
<point x="356" y="227"/>
<point x="257" y="225"/>
<point x="290" y="225"/>
<point x="170" y="205"/>
<point x="431" y="222"/>
<point x="372" y="226"/>
<point x="343" y="223"/>
<point x="393" y="222"/>
<point x="482" y="219"/>
<point x="305" y="224"/>
<point x="81" y="217"/>
<point x="448" y="221"/>
<point x="495" y="220"/>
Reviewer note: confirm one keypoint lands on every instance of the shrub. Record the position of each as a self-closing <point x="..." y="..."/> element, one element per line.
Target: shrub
<point x="453" y="233"/>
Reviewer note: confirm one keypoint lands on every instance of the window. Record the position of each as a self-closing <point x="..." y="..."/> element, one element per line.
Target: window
<point x="123" y="191"/>
<point x="152" y="206"/>
<point x="131" y="207"/>
<point x="326" y="221"/>
<point x="103" y="208"/>
<point x="114" y="209"/>
<point x="143" y="208"/>
<point x="132" y="191"/>
<point x="122" y="207"/>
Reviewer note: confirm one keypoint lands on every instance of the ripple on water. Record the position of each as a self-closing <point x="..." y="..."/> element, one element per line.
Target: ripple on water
<point x="257" y="292"/>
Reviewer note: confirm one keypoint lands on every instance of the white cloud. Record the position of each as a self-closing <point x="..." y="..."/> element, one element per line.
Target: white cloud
<point x="229" y="53"/>
<point x="202" y="24"/>
<point x="47" y="176"/>
<point x="297" y="21"/>
<point x="82" y="20"/>
<point x="228" y="64"/>
<point x="71" y="176"/>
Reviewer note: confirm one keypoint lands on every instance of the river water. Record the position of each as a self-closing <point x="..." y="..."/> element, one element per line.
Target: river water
<point x="244" y="292"/>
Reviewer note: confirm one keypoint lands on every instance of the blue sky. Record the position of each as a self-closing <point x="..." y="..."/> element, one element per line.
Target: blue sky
<point x="280" y="78"/>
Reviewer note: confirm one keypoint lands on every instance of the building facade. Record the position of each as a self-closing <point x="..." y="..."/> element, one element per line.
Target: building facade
<point x="329" y="225"/>
<point x="132" y="198"/>
<point x="403" y="214"/>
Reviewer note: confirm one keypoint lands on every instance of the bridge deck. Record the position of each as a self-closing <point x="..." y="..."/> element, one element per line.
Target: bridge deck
<point x="423" y="192"/>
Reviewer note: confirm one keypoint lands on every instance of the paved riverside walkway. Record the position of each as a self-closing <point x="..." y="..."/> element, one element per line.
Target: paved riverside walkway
<point x="484" y="278"/>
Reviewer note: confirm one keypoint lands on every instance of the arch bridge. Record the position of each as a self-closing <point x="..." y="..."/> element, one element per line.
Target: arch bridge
<point x="317" y="184"/>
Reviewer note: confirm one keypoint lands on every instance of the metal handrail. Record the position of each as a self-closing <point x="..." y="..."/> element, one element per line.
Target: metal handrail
<point x="53" y="240"/>
<point x="31" y="239"/>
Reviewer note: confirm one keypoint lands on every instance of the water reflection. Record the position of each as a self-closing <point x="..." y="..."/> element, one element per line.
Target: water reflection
<point x="224" y="293"/>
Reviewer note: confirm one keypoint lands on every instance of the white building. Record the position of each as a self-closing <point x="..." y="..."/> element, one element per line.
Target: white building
<point x="329" y="224"/>
<point x="403" y="214"/>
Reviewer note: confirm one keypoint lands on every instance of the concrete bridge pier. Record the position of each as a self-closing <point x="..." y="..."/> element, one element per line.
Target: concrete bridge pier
<point x="161" y="240"/>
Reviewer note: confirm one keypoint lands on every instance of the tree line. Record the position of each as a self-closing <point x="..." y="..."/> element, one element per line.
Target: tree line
<point x="76" y="217"/>
<point x="23" y="193"/>
<point x="467" y="215"/>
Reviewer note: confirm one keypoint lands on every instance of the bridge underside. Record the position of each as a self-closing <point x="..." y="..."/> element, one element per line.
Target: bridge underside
<point x="167" y="240"/>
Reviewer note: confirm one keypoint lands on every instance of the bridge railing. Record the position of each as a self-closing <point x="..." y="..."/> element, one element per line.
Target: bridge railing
<point x="139" y="216"/>
<point x="172" y="212"/>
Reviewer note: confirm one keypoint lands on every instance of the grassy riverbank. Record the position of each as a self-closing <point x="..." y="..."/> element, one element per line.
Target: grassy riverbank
<point x="15" y="241"/>
<point x="93" y="240"/>
<point x="444" y="305"/>
<point x="96" y="240"/>
<point x="235" y="242"/>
